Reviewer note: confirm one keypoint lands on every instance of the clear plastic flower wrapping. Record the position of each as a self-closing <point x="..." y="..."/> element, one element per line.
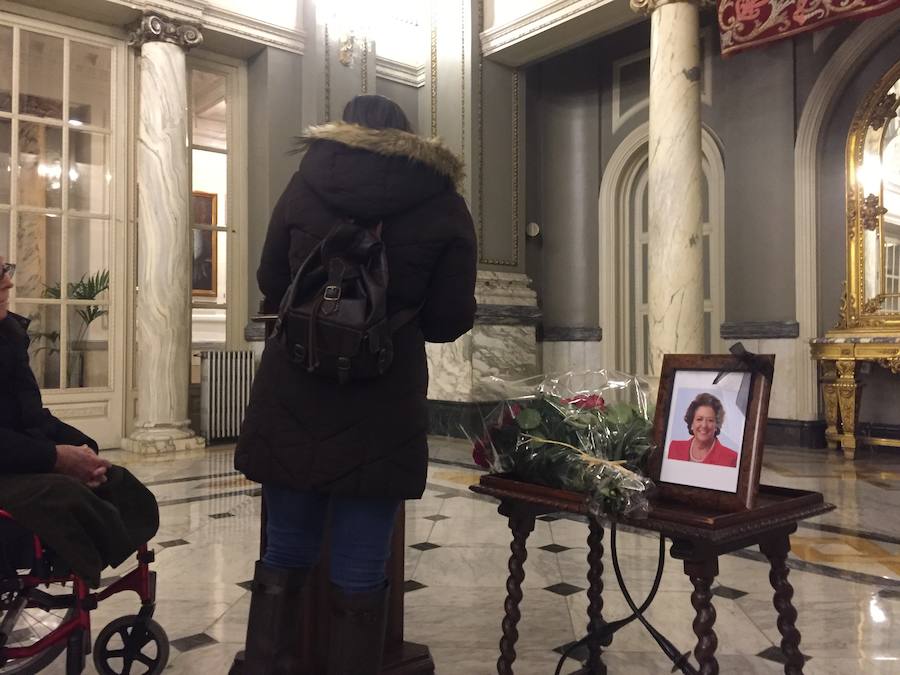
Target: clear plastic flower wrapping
<point x="588" y="432"/>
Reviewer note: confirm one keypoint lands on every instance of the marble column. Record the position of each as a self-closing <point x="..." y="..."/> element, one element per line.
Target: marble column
<point x="675" y="172"/>
<point x="163" y="312"/>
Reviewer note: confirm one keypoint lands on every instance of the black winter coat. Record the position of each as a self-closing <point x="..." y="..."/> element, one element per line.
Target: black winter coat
<point x="363" y="438"/>
<point x="29" y="434"/>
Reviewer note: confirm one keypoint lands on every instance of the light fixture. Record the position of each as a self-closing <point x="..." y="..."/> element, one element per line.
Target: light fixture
<point x="875" y="611"/>
<point x="869" y="175"/>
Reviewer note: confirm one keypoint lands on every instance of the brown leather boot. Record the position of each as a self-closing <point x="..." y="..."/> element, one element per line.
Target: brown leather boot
<point x="272" y="625"/>
<point x="356" y="638"/>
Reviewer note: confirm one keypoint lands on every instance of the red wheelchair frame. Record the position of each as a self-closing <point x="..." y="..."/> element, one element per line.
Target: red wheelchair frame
<point x="75" y="630"/>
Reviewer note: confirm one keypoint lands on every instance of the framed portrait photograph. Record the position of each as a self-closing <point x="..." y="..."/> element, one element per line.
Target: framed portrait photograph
<point x="709" y="430"/>
<point x="204" y="267"/>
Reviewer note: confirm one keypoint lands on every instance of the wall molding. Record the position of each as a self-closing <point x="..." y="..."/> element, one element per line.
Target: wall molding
<point x="832" y="80"/>
<point x="225" y="23"/>
<point x="619" y="117"/>
<point x="254" y="30"/>
<point x="402" y="73"/>
<point x="501" y="41"/>
<point x="759" y="330"/>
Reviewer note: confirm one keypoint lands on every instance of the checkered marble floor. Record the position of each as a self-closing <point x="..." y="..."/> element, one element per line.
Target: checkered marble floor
<point x="845" y="569"/>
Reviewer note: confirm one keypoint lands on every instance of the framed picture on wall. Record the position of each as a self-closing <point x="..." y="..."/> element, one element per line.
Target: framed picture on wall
<point x="204" y="265"/>
<point x="709" y="429"/>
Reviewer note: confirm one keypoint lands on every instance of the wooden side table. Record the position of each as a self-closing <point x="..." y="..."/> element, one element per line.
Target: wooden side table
<point x="698" y="539"/>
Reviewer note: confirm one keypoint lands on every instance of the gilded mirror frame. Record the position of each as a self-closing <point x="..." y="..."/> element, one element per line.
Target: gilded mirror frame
<point x="865" y="213"/>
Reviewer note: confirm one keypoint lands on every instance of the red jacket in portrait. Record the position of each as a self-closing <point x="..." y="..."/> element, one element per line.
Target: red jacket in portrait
<point x="719" y="455"/>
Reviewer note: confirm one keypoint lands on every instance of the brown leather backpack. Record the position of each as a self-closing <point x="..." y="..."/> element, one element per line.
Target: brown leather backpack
<point x="333" y="318"/>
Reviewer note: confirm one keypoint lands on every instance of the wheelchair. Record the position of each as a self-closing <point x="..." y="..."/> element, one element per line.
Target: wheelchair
<point x="45" y="608"/>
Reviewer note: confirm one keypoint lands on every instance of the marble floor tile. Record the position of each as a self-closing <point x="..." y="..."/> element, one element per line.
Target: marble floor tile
<point x="460" y="659"/>
<point x="671" y="614"/>
<point x="445" y="616"/>
<point x="483" y="568"/>
<point x="835" y="627"/>
<point x="848" y="624"/>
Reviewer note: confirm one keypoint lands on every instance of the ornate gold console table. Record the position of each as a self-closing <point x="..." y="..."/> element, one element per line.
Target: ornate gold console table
<point x="840" y="356"/>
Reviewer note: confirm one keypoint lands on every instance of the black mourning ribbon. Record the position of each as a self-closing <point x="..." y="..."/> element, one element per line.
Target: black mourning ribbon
<point x="753" y="362"/>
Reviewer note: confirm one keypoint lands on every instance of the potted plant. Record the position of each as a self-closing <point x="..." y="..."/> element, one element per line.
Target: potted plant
<point x="86" y="288"/>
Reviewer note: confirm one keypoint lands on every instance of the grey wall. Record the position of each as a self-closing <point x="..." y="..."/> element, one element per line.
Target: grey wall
<point x="274" y="113"/>
<point x="534" y="171"/>
<point x="503" y="189"/>
<point x="404" y="95"/>
<point x="566" y="109"/>
<point x="752" y="113"/>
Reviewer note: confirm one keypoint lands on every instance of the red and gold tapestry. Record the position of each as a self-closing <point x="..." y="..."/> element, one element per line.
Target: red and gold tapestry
<point x="750" y="23"/>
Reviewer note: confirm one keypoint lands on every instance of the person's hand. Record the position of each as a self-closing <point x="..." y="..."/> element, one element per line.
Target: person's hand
<point x="81" y="463"/>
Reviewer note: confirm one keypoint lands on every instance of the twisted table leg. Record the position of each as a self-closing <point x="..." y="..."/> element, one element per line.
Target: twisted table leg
<point x="776" y="549"/>
<point x="702" y="573"/>
<point x="595" y="598"/>
<point x="521" y="525"/>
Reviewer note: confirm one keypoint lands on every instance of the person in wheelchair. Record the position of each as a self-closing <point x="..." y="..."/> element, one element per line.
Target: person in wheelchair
<point x="53" y="481"/>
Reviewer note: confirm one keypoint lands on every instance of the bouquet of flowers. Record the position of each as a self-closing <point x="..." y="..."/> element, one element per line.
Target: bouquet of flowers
<point x="588" y="432"/>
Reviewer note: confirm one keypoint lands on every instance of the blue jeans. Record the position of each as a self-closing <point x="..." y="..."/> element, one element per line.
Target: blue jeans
<point x="361" y="529"/>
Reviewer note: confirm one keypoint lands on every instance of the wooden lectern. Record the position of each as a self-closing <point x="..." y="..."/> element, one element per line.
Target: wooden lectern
<point x="400" y="657"/>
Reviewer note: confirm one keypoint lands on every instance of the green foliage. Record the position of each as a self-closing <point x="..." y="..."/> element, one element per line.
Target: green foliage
<point x="552" y="442"/>
<point x="86" y="288"/>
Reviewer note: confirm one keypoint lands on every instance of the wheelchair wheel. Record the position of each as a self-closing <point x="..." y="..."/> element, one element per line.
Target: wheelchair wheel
<point x="131" y="646"/>
<point x="31" y="625"/>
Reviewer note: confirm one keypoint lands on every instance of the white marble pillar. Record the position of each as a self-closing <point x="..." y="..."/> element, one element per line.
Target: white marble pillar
<point x="163" y="312"/>
<point x="675" y="173"/>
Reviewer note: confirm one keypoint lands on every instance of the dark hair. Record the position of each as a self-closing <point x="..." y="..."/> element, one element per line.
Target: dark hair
<point x="375" y="112"/>
<point x="709" y="401"/>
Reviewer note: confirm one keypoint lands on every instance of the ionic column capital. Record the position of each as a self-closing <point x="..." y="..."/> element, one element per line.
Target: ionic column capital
<point x="156" y="27"/>
<point x="647" y="6"/>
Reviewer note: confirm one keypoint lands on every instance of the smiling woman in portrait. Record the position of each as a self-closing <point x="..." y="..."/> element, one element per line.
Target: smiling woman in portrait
<point x="704" y="419"/>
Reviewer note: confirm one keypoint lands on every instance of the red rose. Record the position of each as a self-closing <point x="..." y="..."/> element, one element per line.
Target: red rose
<point x="479" y="453"/>
<point x="587" y="402"/>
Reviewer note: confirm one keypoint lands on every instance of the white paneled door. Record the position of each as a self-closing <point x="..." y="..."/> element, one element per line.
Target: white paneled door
<point x="62" y="222"/>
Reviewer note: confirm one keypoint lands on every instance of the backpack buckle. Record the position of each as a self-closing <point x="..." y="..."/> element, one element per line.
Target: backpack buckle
<point x="343" y="369"/>
<point x="332" y="293"/>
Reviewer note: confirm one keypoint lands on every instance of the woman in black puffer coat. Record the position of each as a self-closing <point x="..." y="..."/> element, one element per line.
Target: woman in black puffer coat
<point x="360" y="446"/>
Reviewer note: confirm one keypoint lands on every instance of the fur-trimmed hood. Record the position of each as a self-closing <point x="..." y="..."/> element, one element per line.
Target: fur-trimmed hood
<point x="432" y="152"/>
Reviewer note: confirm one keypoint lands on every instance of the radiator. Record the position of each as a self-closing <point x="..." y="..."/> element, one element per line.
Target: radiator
<point x="225" y="379"/>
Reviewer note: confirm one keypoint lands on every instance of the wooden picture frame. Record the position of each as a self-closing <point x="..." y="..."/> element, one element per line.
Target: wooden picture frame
<point x="716" y="480"/>
<point x="204" y="261"/>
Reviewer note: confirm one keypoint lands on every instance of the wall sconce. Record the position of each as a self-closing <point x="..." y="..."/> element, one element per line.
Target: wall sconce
<point x="346" y="43"/>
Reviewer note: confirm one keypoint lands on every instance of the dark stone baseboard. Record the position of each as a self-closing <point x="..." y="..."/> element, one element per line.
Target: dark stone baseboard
<point x="878" y="430"/>
<point x="759" y="330"/>
<point x="569" y="334"/>
<point x="455" y="418"/>
<point x="795" y="433"/>
<point x="508" y="315"/>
